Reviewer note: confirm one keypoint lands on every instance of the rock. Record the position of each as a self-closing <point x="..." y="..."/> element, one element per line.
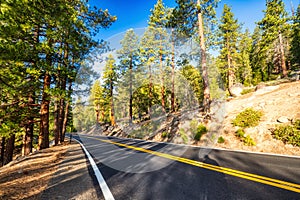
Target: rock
<point x="283" y="119"/>
<point x="260" y="86"/>
<point x="236" y="89"/>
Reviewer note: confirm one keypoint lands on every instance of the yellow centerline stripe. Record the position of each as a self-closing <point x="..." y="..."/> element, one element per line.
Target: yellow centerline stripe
<point x="253" y="177"/>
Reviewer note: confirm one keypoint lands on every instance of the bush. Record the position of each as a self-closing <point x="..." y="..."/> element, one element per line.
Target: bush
<point x="201" y="130"/>
<point x="221" y="140"/>
<point x="164" y="134"/>
<point x="240" y="133"/>
<point x="248" y="90"/>
<point x="183" y="136"/>
<point x="247" y="118"/>
<point x="249" y="141"/>
<point x="297" y="124"/>
<point x="288" y="134"/>
<point x="193" y="126"/>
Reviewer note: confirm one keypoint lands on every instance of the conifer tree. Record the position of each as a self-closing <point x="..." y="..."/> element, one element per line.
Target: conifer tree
<point x="244" y="72"/>
<point x="109" y="79"/>
<point x="295" y="45"/>
<point x="190" y="17"/>
<point x="158" y="20"/>
<point x="128" y="55"/>
<point x="229" y="30"/>
<point x="274" y="25"/>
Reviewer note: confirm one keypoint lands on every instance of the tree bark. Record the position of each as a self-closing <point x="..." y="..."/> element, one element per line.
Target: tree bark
<point x="44" y="114"/>
<point x="65" y="122"/>
<point x="112" y="111"/>
<point x="130" y="90"/>
<point x="56" y="124"/>
<point x="206" y="100"/>
<point x="2" y="151"/>
<point x="9" y="150"/>
<point x="162" y="81"/>
<point x="150" y="90"/>
<point x="282" y="57"/>
<point x="173" y="75"/>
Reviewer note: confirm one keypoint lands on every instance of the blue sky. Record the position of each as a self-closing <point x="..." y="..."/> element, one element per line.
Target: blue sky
<point x="135" y="13"/>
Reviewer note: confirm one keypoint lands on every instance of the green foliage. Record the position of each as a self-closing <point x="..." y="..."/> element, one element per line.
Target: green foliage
<point x="183" y="136"/>
<point x="164" y="134"/>
<point x="295" y="44"/>
<point x="247" y="140"/>
<point x="221" y="140"/>
<point x="248" y="90"/>
<point x="194" y="78"/>
<point x="229" y="34"/>
<point x="201" y="130"/>
<point x="288" y="134"/>
<point x="193" y="126"/>
<point x="247" y="118"/>
<point x="240" y="133"/>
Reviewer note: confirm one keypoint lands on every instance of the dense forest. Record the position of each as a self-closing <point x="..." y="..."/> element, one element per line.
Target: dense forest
<point x="48" y="49"/>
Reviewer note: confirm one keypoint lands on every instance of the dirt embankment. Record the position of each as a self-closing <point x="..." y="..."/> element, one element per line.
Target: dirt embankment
<point x="280" y="101"/>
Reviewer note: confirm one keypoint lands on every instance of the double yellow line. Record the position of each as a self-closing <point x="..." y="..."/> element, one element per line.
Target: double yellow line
<point x="253" y="177"/>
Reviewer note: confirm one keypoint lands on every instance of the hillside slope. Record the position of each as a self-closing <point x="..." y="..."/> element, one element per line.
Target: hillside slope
<point x="275" y="102"/>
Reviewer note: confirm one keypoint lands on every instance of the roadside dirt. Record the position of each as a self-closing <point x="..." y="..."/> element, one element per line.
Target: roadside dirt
<point x="59" y="172"/>
<point x="27" y="177"/>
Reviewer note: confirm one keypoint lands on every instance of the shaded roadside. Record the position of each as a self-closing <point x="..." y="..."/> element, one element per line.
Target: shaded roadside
<point x="72" y="179"/>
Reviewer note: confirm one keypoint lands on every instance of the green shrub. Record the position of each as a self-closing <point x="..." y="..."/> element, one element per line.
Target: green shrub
<point x="201" y="130"/>
<point x="297" y="124"/>
<point x="288" y="134"/>
<point x="247" y="118"/>
<point x="221" y="140"/>
<point x="240" y="133"/>
<point x="249" y="141"/>
<point x="248" y="90"/>
<point x="193" y="126"/>
<point x="183" y="136"/>
<point x="164" y="134"/>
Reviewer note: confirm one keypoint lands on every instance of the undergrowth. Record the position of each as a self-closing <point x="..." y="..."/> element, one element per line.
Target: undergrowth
<point x="289" y="134"/>
<point x="247" y="118"/>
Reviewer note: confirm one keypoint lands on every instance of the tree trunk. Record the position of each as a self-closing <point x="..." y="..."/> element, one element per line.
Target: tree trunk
<point x="9" y="150"/>
<point x="112" y="111"/>
<point x="130" y="90"/>
<point x="162" y="81"/>
<point x="150" y="90"/>
<point x="2" y="151"/>
<point x="282" y="57"/>
<point x="27" y="139"/>
<point x="44" y="113"/>
<point x="56" y="124"/>
<point x="173" y="75"/>
<point x="206" y="100"/>
<point x="65" y="122"/>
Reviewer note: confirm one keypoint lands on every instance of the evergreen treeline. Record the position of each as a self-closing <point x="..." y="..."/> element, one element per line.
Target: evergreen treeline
<point x="43" y="44"/>
<point x="169" y="65"/>
<point x="167" y="69"/>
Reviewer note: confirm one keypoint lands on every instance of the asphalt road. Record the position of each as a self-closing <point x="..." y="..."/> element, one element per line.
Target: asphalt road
<point x="136" y="169"/>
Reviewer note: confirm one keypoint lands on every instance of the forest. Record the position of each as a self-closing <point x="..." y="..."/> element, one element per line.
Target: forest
<point x="48" y="51"/>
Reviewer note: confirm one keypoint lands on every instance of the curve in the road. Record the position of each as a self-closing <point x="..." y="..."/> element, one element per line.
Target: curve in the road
<point x="249" y="176"/>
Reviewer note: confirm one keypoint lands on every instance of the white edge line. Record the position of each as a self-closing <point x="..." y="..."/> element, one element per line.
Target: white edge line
<point x="103" y="186"/>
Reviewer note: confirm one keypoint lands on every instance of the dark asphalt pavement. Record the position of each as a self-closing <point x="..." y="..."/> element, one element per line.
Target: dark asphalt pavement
<point x="141" y="174"/>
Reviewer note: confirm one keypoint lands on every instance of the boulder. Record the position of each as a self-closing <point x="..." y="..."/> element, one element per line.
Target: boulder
<point x="236" y="90"/>
<point x="283" y="119"/>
